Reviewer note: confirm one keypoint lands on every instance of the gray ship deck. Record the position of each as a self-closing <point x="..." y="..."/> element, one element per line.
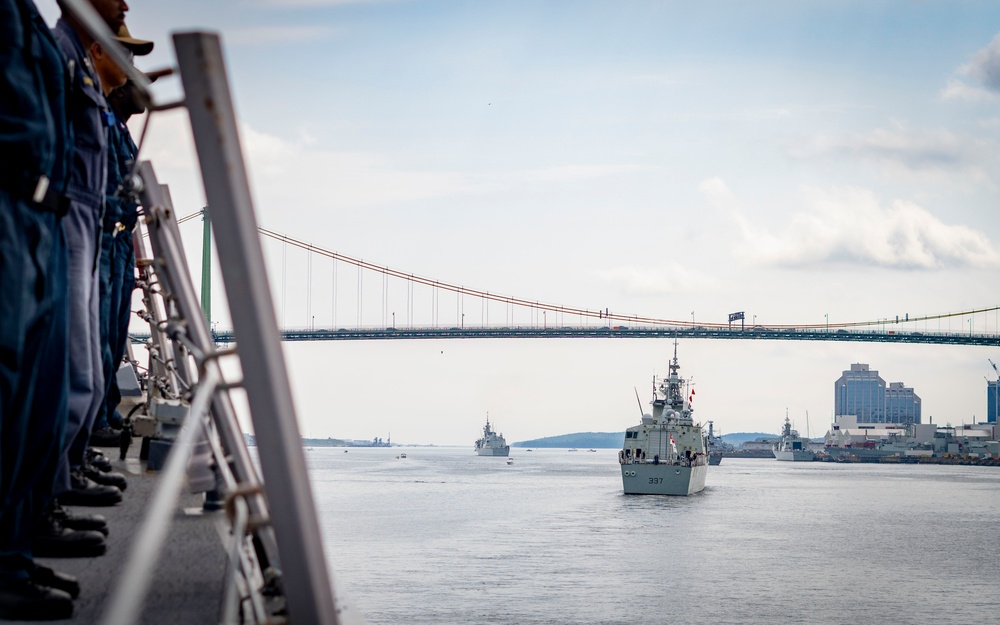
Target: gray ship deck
<point x="187" y="582"/>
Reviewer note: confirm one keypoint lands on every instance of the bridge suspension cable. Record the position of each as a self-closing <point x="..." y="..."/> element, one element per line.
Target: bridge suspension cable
<point x="596" y="314"/>
<point x="511" y="301"/>
<point x="462" y="290"/>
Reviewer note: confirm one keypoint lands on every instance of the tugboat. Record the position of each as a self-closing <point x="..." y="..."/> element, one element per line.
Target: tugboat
<point x="792" y="447"/>
<point x="667" y="453"/>
<point x="491" y="444"/>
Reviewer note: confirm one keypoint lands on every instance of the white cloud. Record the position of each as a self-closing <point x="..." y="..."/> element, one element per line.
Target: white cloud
<point x="665" y="279"/>
<point x="663" y="79"/>
<point x="899" y="150"/>
<point x="580" y="172"/>
<point x="316" y="3"/>
<point x="958" y="90"/>
<point x="851" y="227"/>
<point x="916" y="149"/>
<point x="276" y="34"/>
<point x="289" y="173"/>
<point x="985" y="65"/>
<point x="718" y="192"/>
<point x="301" y="172"/>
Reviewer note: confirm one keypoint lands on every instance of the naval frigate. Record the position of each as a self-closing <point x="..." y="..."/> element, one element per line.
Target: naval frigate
<point x="667" y="453"/>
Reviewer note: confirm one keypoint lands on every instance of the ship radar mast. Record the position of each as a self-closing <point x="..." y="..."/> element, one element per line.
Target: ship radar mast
<point x="675" y="396"/>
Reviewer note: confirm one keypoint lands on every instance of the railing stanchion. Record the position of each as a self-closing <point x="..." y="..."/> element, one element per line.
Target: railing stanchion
<point x="307" y="582"/>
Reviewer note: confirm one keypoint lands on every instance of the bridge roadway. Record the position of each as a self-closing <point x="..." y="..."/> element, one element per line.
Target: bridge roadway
<point x="758" y="333"/>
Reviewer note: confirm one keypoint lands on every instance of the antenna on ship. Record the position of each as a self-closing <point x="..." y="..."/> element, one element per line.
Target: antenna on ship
<point x="641" y="413"/>
<point x="674" y="366"/>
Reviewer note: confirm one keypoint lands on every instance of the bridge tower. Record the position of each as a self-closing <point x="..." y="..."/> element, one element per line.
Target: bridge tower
<point x="206" y="266"/>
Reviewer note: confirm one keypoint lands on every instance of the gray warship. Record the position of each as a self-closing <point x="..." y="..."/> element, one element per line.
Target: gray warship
<point x="491" y="444"/>
<point x="667" y="453"/>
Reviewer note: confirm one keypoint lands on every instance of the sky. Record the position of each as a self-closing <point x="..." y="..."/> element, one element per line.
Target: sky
<point x="800" y="161"/>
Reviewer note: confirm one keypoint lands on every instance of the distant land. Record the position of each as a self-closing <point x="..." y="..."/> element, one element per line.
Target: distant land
<point x="251" y="441"/>
<point x="615" y="440"/>
<point x="594" y="440"/>
<point x="738" y="438"/>
<point x="602" y="440"/>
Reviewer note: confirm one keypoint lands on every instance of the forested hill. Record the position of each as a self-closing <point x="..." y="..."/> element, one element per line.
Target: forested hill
<point x="602" y="440"/>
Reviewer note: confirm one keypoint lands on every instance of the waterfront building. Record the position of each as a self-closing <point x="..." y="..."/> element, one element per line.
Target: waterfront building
<point x="992" y="405"/>
<point x="863" y="393"/>
<point x="849" y="438"/>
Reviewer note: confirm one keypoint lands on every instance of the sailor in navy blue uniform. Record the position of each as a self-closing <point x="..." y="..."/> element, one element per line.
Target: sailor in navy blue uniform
<point x="117" y="257"/>
<point x="34" y="150"/>
<point x="90" y="119"/>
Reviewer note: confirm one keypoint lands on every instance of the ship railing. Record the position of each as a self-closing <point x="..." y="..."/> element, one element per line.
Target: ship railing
<point x="271" y="512"/>
<point x="679" y="462"/>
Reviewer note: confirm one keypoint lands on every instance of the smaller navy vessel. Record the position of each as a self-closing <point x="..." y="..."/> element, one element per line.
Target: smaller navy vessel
<point x="492" y="444"/>
<point x="792" y="447"/>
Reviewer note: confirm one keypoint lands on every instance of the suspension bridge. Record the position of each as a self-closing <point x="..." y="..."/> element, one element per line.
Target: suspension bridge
<point x="493" y="315"/>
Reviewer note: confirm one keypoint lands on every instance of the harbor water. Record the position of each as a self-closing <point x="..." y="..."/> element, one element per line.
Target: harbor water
<point x="444" y="536"/>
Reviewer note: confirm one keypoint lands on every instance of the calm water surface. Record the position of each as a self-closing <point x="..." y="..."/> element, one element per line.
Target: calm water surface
<point x="444" y="536"/>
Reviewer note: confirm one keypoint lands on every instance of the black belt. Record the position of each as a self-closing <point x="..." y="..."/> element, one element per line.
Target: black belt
<point x="53" y="202"/>
<point x="42" y="197"/>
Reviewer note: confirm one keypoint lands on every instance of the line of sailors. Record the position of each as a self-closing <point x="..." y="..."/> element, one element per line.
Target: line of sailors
<point x="66" y="280"/>
<point x="689" y="459"/>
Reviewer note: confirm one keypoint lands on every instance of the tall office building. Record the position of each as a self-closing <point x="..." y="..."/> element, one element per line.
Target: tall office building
<point x="863" y="393"/>
<point x="860" y="392"/>
<point x="992" y="405"/>
<point x="902" y="405"/>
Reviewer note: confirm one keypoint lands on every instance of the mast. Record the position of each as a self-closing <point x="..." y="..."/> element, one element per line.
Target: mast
<point x="675" y="398"/>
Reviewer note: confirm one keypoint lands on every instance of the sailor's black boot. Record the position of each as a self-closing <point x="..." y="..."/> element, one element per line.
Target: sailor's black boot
<point x="86" y="492"/>
<point x="26" y="601"/>
<point x="44" y="576"/>
<point x="53" y="540"/>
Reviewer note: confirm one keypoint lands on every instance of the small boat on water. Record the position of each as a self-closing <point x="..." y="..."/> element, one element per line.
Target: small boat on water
<point x="510" y="460"/>
<point x="491" y="444"/>
<point x="667" y="453"/>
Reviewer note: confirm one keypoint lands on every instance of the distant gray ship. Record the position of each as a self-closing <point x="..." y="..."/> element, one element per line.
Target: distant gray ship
<point x="716" y="447"/>
<point x="793" y="447"/>
<point x="492" y="444"/>
<point x="666" y="454"/>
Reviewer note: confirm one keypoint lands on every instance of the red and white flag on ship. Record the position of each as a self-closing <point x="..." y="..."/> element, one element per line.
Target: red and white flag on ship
<point x="691" y="396"/>
<point x="673" y="445"/>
